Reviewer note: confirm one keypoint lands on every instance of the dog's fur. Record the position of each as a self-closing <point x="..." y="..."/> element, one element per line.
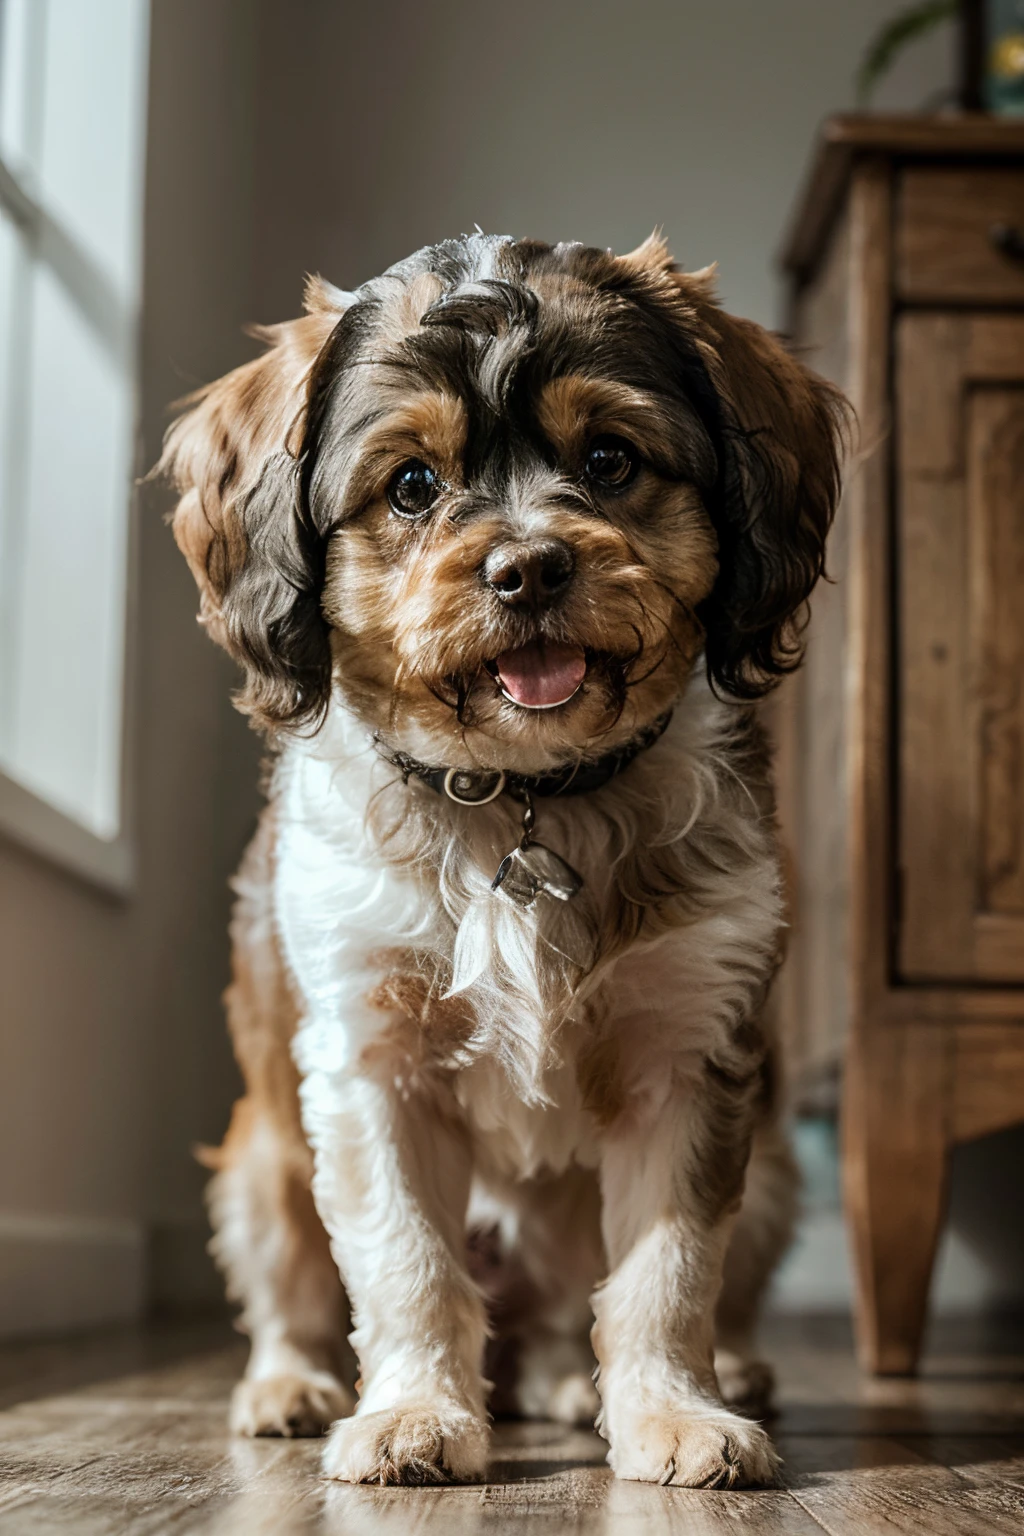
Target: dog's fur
<point x="491" y="1120"/>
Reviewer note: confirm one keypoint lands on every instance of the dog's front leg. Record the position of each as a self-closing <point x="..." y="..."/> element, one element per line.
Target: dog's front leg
<point x="391" y="1185"/>
<point x="671" y="1181"/>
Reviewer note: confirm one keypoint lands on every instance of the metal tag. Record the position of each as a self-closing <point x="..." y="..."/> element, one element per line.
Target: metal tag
<point x="526" y="873"/>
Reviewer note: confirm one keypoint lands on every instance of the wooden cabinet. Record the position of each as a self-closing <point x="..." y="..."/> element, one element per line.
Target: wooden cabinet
<point x="901" y="743"/>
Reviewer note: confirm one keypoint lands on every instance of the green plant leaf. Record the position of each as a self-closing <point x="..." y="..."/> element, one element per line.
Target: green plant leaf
<point x="893" y="37"/>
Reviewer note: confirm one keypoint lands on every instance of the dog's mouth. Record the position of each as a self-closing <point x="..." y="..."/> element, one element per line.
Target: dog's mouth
<point x="542" y="674"/>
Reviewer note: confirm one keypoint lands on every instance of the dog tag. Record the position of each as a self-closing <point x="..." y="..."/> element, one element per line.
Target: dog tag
<point x="526" y="873"/>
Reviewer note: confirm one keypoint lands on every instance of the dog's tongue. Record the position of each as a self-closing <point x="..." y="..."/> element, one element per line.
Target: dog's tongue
<point x="540" y="675"/>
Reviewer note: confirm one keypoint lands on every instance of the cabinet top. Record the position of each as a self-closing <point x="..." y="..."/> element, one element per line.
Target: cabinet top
<point x="917" y="136"/>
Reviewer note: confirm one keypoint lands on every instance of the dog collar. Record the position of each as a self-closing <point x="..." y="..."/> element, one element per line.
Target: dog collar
<point x="479" y="786"/>
<point x="531" y="870"/>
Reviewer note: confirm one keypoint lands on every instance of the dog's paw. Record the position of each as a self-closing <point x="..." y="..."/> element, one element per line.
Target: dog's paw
<point x="415" y="1444"/>
<point x="746" y="1385"/>
<point x="695" y="1448"/>
<point x="289" y="1405"/>
<point x="573" y="1399"/>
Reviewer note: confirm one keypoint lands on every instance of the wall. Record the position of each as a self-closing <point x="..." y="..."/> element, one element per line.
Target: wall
<point x="594" y="120"/>
<point x="289" y="137"/>
<point x="386" y="127"/>
<point x="111" y="1037"/>
<point x="390" y="126"/>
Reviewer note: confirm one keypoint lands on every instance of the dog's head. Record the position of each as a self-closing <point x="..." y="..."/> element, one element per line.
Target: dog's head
<point x="504" y="497"/>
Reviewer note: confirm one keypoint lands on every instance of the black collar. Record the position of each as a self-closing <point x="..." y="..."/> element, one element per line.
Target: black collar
<point x="479" y="786"/>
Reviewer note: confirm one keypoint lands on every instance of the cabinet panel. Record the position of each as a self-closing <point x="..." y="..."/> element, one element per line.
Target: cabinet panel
<point x="960" y="442"/>
<point x="995" y="494"/>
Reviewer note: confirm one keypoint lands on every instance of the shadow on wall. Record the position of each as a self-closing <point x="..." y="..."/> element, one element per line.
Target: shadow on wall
<point x="383" y="128"/>
<point x="980" y="1263"/>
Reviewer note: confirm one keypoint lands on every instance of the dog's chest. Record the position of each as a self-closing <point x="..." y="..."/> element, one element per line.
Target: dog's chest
<point x="369" y="941"/>
<point x="362" y="938"/>
<point x="403" y="955"/>
<point x="515" y="1137"/>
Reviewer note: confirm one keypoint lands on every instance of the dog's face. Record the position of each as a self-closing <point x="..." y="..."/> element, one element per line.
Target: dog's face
<point x="504" y="497"/>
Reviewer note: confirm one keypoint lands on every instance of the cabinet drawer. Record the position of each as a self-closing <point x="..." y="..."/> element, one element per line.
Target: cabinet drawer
<point x="951" y="232"/>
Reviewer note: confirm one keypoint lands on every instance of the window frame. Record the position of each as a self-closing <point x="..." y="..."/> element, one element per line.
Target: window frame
<point x="27" y="818"/>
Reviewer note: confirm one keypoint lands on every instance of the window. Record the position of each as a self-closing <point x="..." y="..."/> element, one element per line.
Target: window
<point x="72" y="137"/>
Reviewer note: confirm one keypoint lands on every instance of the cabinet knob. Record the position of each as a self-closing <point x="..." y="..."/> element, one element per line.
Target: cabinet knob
<point x="1008" y="239"/>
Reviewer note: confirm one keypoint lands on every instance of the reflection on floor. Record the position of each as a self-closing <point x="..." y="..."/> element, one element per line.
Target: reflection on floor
<point x="124" y="1433"/>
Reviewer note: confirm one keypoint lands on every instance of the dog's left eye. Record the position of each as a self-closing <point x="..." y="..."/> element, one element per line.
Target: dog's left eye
<point x="413" y="489"/>
<point x="612" y="461"/>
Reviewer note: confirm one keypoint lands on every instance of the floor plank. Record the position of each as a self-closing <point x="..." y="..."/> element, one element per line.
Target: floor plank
<point x="978" y="1458"/>
<point x="863" y="1485"/>
<point x="125" y="1433"/>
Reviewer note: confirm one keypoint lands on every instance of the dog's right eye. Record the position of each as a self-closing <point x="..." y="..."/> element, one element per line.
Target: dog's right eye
<point x="413" y="489"/>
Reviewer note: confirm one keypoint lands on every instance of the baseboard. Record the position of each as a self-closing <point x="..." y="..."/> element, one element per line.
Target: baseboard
<point x="60" y="1273"/>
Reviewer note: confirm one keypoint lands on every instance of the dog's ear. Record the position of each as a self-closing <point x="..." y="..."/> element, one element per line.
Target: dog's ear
<point x="780" y="431"/>
<point x="234" y="458"/>
<point x="783" y="435"/>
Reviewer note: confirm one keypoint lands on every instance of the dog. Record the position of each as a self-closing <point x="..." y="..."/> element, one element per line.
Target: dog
<point x="508" y="543"/>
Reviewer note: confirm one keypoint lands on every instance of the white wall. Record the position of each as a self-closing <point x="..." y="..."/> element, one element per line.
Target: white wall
<point x="386" y="126"/>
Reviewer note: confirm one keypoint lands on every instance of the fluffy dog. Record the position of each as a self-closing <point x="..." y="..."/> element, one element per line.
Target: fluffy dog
<point x="508" y="543"/>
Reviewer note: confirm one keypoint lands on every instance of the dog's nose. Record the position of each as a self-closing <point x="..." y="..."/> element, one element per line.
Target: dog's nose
<point x="530" y="575"/>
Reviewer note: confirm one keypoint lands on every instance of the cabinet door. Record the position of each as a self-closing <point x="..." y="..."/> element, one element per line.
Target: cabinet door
<point x="960" y="682"/>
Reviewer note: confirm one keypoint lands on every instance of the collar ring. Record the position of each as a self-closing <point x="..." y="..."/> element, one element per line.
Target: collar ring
<point x="461" y="779"/>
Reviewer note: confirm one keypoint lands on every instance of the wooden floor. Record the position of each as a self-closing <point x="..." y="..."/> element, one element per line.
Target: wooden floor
<point x="125" y="1434"/>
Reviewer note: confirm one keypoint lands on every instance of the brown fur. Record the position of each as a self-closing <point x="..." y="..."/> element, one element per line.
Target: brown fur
<point x="600" y="1079"/>
<point x="427" y="1028"/>
<point x="404" y="314"/>
<point x="264" y="1170"/>
<point x="260" y="1005"/>
<point x="217" y="452"/>
<point x="574" y="409"/>
<point x="408" y="614"/>
<point x="795" y="420"/>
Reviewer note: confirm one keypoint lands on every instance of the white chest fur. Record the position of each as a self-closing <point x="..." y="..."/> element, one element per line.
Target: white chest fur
<point x="537" y="984"/>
